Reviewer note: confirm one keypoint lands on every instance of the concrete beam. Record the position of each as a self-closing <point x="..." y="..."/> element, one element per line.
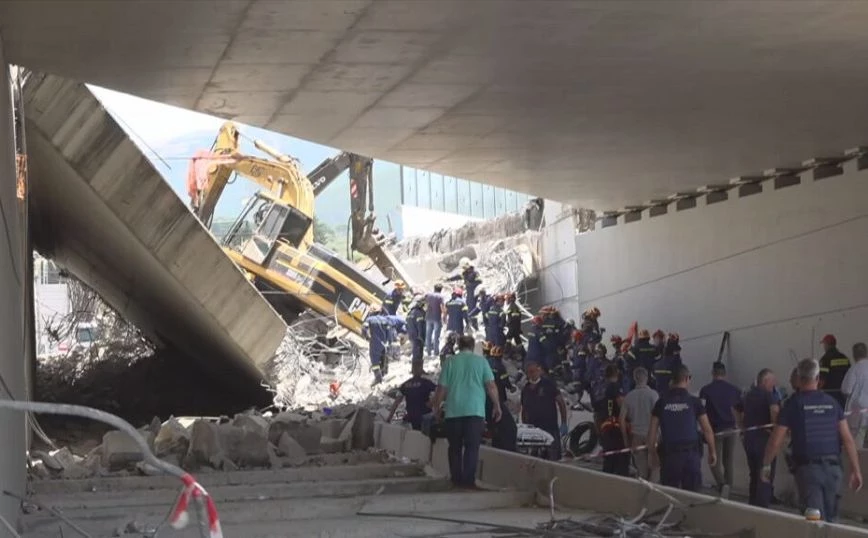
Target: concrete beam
<point x="101" y="209"/>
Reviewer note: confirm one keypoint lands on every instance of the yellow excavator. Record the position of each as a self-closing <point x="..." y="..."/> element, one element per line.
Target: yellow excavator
<point x="272" y="239"/>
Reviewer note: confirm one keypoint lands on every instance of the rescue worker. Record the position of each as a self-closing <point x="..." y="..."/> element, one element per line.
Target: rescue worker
<point x="416" y="327"/>
<point x="552" y="325"/>
<point x="720" y="398"/>
<point x="818" y="431"/>
<point x="833" y="367"/>
<point x="540" y="402"/>
<point x="395" y="299"/>
<point x="759" y="407"/>
<point x="435" y="309"/>
<point x="397" y="330"/>
<point x="471" y="279"/>
<point x="591" y="327"/>
<point x="513" y="320"/>
<point x="679" y="450"/>
<point x="448" y="347"/>
<point x="456" y="312"/>
<point x="495" y="322"/>
<point x="565" y="340"/>
<point x="659" y="341"/>
<point x="596" y="378"/>
<point x="534" y="342"/>
<point x="377" y="330"/>
<point x="484" y="303"/>
<point x="417" y="392"/>
<point x="608" y="408"/>
<point x="579" y="363"/>
<point x="667" y="364"/>
<point x="505" y="431"/>
<point x="630" y="365"/>
<point x="646" y="354"/>
<point x="619" y="361"/>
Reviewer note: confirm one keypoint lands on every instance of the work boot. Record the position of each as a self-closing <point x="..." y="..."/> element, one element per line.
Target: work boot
<point x="378" y="378"/>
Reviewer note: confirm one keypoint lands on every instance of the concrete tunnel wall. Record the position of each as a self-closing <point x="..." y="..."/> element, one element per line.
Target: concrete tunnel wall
<point x="13" y="279"/>
<point x="101" y="209"/>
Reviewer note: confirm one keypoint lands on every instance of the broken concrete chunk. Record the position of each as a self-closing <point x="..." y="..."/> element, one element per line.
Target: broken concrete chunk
<point x="332" y="427"/>
<point x="244" y="447"/>
<point x="332" y="445"/>
<point x="119" y="450"/>
<point x="251" y="422"/>
<point x="173" y="438"/>
<point x="308" y="436"/>
<point x="274" y="460"/>
<point x="205" y="446"/>
<point x="155" y="425"/>
<point x="291" y="450"/>
<point x="49" y="461"/>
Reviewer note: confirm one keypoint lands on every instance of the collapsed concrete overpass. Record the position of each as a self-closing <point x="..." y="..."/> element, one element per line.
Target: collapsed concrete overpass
<point x="100" y="208"/>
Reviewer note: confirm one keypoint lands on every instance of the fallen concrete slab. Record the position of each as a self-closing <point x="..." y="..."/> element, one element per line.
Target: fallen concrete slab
<point x="102" y="210"/>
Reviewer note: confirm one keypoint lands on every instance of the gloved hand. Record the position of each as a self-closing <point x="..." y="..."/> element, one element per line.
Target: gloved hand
<point x="564" y="429"/>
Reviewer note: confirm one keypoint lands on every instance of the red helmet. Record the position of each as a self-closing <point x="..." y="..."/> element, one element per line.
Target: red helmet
<point x="536" y="320"/>
<point x="673" y="337"/>
<point x="577" y="336"/>
<point x="458" y="291"/>
<point x="616" y="340"/>
<point x="829" y="339"/>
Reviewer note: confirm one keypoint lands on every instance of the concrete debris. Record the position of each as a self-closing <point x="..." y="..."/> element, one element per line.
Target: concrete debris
<point x="119" y="451"/>
<point x="245" y="448"/>
<point x="251" y="422"/>
<point x="291" y="450"/>
<point x="332" y="427"/>
<point x="362" y="429"/>
<point x="172" y="438"/>
<point x="205" y="447"/>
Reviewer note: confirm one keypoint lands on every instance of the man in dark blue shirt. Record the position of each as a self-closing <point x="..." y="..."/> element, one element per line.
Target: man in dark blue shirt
<point x="720" y="398"/>
<point x="416" y="391"/>
<point x="759" y="407"/>
<point x="679" y="452"/>
<point x="818" y="430"/>
<point x="540" y="402"/>
<point x="608" y="408"/>
<point x="456" y="312"/>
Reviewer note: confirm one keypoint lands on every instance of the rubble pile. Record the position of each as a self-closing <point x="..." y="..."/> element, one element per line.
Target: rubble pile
<point x="249" y="440"/>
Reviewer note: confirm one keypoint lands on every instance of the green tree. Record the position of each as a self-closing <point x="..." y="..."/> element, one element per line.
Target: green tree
<point x="322" y="232"/>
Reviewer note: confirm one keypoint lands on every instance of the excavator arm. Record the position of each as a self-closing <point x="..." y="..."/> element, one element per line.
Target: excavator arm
<point x="366" y="238"/>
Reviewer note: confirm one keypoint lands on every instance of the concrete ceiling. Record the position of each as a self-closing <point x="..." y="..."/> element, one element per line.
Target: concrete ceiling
<point x="603" y="104"/>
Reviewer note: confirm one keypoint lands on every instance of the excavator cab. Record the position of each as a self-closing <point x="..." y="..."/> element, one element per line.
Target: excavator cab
<point x="262" y="223"/>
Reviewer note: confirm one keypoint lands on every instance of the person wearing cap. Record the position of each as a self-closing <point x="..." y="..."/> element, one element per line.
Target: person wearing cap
<point x="833" y="367"/>
<point x="416" y="327"/>
<point x="759" y="407"/>
<point x="679" y="451"/>
<point x="540" y="402"/>
<point x="395" y="299"/>
<point x="593" y="335"/>
<point x="608" y="408"/>
<point x="456" y="312"/>
<point x="818" y="431"/>
<point x="720" y="398"/>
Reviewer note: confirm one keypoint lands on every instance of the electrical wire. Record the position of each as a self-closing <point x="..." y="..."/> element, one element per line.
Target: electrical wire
<point x="9" y="527"/>
<point x="51" y="510"/>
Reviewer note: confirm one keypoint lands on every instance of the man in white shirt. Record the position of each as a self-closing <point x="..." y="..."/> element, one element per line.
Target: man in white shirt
<point x="855" y="388"/>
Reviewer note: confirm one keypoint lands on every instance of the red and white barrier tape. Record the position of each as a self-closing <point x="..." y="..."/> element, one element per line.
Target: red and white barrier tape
<point x="180" y="513"/>
<point x="718" y="434"/>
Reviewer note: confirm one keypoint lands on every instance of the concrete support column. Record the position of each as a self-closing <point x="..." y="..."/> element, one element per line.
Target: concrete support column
<point x="13" y="283"/>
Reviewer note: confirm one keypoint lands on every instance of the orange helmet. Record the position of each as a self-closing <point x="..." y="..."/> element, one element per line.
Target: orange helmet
<point x="536" y="320"/>
<point x="495" y="351"/>
<point x="644" y="333"/>
<point x="577" y="336"/>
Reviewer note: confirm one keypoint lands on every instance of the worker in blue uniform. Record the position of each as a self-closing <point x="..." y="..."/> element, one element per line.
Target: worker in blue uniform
<point x="659" y="341"/>
<point x="646" y="354"/>
<point x="416" y="327"/>
<point x="483" y="304"/>
<point x="503" y="432"/>
<point x="471" y="279"/>
<point x="759" y="407"/>
<point x="495" y="322"/>
<point x="591" y="330"/>
<point x="397" y="329"/>
<point x="395" y="299"/>
<point x="596" y="378"/>
<point x="679" y="452"/>
<point x="448" y="348"/>
<point x="630" y="365"/>
<point x="540" y="402"/>
<point x="833" y="367"/>
<point x="377" y="329"/>
<point x="618" y="358"/>
<point x="534" y="342"/>
<point x="456" y="312"/>
<point x="513" y="319"/>
<point x="818" y="431"/>
<point x="720" y="398"/>
<point x="416" y="392"/>
<point x="608" y="409"/>
<point x="667" y="364"/>
<point x="552" y="328"/>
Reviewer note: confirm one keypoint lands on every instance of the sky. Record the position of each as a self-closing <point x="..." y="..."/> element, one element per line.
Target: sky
<point x="170" y="135"/>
